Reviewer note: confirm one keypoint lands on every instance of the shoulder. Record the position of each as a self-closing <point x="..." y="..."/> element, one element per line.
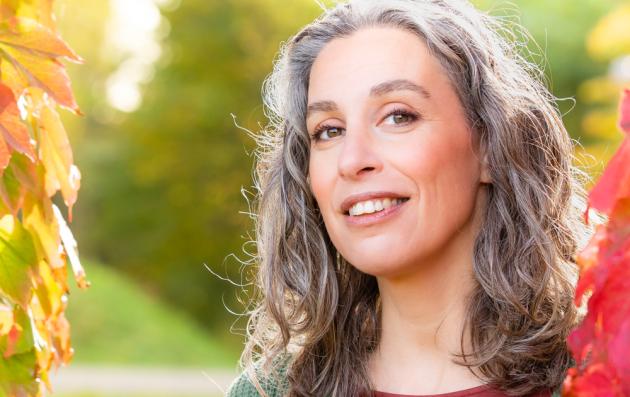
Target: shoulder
<point x="255" y="384"/>
<point x="243" y="386"/>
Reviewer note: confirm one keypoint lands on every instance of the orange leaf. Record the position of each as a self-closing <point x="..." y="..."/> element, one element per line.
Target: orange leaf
<point x="13" y="129"/>
<point x="29" y="34"/>
<point x="56" y="155"/>
<point x="26" y="174"/>
<point x="5" y="155"/>
<point x="61" y="340"/>
<point x="44" y="72"/>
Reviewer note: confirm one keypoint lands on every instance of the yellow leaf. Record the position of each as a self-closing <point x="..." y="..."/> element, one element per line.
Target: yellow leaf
<point x="611" y="37"/>
<point x="49" y="290"/>
<point x="29" y="34"/>
<point x="601" y="124"/>
<point x="56" y="155"/>
<point x="40" y="10"/>
<point x="6" y="319"/>
<point x="40" y="221"/>
<point x="12" y="78"/>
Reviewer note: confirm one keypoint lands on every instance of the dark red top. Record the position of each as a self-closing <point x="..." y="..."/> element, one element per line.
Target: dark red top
<point x="479" y="391"/>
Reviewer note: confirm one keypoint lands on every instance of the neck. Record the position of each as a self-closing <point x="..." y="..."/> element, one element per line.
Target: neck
<point x="425" y="312"/>
<point x="422" y="322"/>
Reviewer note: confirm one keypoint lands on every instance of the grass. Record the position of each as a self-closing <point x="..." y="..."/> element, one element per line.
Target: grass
<point x="115" y="322"/>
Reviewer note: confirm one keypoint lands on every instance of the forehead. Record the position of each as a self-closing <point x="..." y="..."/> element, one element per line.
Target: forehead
<point x="352" y="65"/>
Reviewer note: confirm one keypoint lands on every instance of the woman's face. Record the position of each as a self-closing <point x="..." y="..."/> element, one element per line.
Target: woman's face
<point x="390" y="125"/>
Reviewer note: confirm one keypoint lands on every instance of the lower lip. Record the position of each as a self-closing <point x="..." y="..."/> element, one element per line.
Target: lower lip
<point x="375" y="217"/>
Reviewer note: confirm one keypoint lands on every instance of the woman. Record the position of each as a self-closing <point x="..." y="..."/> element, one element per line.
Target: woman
<point x="418" y="212"/>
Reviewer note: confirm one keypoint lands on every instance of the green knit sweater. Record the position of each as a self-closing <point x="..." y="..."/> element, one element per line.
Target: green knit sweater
<point x="243" y="387"/>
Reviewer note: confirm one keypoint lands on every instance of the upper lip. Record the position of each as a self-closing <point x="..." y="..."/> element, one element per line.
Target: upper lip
<point x="355" y="198"/>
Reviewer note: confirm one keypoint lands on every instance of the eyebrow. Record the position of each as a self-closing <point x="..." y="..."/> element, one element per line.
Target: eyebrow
<point x="377" y="90"/>
<point x="399" y="85"/>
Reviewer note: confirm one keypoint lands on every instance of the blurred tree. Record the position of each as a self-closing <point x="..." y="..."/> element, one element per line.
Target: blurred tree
<point x="162" y="198"/>
<point x="609" y="44"/>
<point x="560" y="30"/>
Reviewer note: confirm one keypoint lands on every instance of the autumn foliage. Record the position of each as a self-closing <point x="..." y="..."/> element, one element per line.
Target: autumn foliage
<point x="35" y="163"/>
<point x="601" y="345"/>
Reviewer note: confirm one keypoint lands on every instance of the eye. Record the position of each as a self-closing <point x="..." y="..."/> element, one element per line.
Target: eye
<point x="328" y="130"/>
<point x="401" y="116"/>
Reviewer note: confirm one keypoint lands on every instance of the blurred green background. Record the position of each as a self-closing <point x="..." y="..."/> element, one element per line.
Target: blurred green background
<point x="166" y="169"/>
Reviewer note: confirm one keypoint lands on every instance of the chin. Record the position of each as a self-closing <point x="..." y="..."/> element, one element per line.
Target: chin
<point x="381" y="269"/>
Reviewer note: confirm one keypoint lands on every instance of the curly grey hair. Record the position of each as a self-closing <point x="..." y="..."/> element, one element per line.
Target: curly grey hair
<point x="312" y="303"/>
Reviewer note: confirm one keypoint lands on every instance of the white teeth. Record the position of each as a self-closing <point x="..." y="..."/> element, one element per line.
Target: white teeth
<point x="371" y="206"/>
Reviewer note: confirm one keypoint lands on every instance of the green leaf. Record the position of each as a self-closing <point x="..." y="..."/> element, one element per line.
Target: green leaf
<point x="17" y="375"/>
<point x="11" y="191"/>
<point x="17" y="256"/>
<point x="20" y="338"/>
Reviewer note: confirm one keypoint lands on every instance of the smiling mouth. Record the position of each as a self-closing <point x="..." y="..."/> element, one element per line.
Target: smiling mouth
<point x="369" y="207"/>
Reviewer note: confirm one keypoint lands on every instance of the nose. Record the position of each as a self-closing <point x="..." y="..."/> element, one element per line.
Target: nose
<point x="359" y="153"/>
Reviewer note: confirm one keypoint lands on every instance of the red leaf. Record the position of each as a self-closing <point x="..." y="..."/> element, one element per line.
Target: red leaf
<point x="11" y="126"/>
<point x="598" y="381"/>
<point x="605" y="264"/>
<point x="587" y="259"/>
<point x="618" y="350"/>
<point x="29" y="34"/>
<point x="624" y="110"/>
<point x="614" y="182"/>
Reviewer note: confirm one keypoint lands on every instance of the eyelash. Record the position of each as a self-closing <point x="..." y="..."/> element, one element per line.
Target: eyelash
<point x="315" y="136"/>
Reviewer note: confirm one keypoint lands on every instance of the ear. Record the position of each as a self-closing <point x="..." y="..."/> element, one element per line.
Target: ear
<point x="485" y="170"/>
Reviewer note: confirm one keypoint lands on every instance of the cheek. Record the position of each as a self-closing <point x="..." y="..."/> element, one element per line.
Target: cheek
<point x="321" y="180"/>
<point x="446" y="158"/>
